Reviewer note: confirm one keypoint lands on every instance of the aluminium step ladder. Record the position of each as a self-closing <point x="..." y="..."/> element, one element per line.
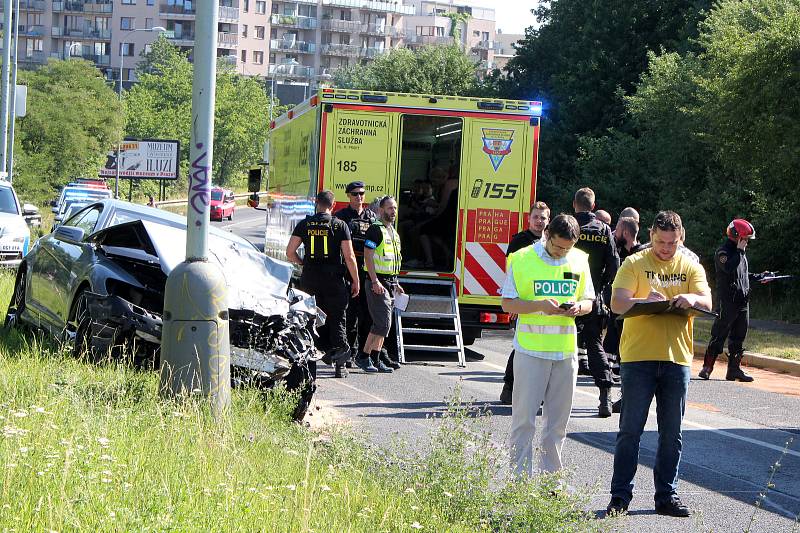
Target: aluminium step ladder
<point x="431" y="323"/>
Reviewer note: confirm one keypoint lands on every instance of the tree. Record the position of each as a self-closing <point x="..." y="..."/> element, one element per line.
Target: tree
<point x="73" y="119"/>
<point x="581" y="61"/>
<point x="430" y="70"/>
<point x="160" y="106"/>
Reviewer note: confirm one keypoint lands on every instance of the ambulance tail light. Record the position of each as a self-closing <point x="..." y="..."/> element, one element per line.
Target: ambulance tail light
<point x="495" y="318"/>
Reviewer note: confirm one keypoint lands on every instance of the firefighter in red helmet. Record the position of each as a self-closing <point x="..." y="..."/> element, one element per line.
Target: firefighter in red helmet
<point x="733" y="295"/>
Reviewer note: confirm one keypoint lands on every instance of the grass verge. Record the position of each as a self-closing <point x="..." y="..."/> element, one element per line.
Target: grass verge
<point x="93" y="447"/>
<point x="761" y="341"/>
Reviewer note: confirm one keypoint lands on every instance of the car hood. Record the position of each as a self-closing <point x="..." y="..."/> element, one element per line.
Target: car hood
<point x="255" y="281"/>
<point x="11" y="223"/>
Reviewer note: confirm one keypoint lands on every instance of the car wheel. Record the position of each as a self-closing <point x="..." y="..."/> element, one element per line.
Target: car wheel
<point x="230" y="217"/>
<point x="82" y="326"/>
<point x="17" y="304"/>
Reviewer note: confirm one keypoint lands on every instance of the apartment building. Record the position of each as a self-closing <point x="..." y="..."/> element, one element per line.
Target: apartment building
<point x="296" y="44"/>
<point x="431" y="25"/>
<point x="504" y="48"/>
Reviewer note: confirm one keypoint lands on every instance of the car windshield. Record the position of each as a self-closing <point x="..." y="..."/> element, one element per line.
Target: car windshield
<point x="216" y="195"/>
<point x="7" y="202"/>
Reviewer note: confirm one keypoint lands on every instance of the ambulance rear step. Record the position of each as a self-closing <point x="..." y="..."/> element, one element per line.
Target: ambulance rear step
<point x="431" y="323"/>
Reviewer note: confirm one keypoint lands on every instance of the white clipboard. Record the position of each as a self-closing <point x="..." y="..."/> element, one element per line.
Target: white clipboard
<point x="401" y="300"/>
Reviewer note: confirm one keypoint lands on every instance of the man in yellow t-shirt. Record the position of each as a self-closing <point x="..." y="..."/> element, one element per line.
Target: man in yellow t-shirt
<point x="655" y="353"/>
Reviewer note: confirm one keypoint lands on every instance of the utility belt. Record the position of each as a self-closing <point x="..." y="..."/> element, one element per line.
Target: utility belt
<point x="389" y="282"/>
<point x="324" y="269"/>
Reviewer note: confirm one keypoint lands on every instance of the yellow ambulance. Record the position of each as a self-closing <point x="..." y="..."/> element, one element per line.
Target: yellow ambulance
<point x="463" y="171"/>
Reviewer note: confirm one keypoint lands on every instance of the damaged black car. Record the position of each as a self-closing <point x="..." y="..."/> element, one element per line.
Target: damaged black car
<point x="98" y="281"/>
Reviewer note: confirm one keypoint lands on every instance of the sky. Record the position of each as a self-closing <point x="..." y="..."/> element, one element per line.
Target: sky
<point x="512" y="16"/>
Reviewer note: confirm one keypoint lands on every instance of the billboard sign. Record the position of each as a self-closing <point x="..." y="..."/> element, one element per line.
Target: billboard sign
<point x="144" y="159"/>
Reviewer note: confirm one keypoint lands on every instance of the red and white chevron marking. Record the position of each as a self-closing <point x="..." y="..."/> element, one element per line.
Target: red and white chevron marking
<point x="484" y="268"/>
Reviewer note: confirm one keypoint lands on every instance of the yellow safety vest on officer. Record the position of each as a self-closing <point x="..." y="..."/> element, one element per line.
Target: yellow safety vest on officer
<point x="387" y="253"/>
<point x="537" y="280"/>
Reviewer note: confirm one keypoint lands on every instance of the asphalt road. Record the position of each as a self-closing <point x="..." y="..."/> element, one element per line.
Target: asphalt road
<point x="733" y="433"/>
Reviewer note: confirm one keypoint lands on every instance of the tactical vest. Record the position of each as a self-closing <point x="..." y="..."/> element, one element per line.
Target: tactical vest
<point x="536" y="280"/>
<point x="387" y="254"/>
<point x="321" y="248"/>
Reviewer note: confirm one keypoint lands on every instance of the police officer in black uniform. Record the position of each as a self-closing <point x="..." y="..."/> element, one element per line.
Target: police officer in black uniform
<point x="538" y="219"/>
<point x="597" y="240"/>
<point x="358" y="218"/>
<point x="733" y="295"/>
<point x="328" y="255"/>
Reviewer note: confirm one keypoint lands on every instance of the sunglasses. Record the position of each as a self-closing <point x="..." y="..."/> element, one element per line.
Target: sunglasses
<point x="357" y="193"/>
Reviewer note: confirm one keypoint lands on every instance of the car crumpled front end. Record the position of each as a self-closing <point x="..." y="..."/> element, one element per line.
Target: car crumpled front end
<point x="272" y="327"/>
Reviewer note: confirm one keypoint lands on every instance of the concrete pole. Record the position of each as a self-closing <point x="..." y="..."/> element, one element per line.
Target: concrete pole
<point x="4" y="75"/>
<point x="119" y="142"/>
<point x="14" y="47"/>
<point x="195" y="345"/>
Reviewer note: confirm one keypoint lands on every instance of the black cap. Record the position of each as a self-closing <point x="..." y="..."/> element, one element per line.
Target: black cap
<point x="354" y="185"/>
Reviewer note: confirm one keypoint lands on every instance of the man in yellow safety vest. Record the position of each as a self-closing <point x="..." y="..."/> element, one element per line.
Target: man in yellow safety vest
<point x="547" y="285"/>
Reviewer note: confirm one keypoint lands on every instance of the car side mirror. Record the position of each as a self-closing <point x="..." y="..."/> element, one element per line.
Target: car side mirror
<point x="69" y="234"/>
<point x="29" y="210"/>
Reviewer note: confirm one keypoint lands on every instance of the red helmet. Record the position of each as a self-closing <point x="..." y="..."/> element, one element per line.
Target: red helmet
<point x="739" y="228"/>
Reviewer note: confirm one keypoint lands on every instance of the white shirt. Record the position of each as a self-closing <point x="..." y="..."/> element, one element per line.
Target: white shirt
<point x="509" y="290"/>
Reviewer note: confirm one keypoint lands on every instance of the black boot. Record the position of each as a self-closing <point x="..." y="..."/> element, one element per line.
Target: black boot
<point x="735" y="372"/>
<point x="388" y="361"/>
<point x="382" y="368"/>
<point x="365" y="363"/>
<point x="507" y="393"/>
<point x="340" y="371"/>
<point x="604" y="411"/>
<point x="708" y="365"/>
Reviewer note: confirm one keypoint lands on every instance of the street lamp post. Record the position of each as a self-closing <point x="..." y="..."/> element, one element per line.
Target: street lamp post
<point x="122" y="43"/>
<point x="69" y="50"/>
<point x="290" y="63"/>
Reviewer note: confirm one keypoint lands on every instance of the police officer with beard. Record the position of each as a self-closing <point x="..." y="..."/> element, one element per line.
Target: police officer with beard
<point x="597" y="240"/>
<point x="328" y="255"/>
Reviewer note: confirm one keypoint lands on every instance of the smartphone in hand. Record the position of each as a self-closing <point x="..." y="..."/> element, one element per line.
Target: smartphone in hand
<point x="566" y="305"/>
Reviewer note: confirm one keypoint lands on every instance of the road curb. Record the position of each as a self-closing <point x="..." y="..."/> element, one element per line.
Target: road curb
<point x="757" y="360"/>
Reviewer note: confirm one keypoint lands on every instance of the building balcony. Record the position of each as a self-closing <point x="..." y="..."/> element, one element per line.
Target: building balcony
<point x="228" y="14"/>
<point x="345" y="50"/>
<point x="421" y="40"/>
<point x="327" y="72"/>
<point x="292" y="46"/>
<point x="32" y="31"/>
<point x="484" y="45"/>
<point x="184" y="38"/>
<point x="36" y="56"/>
<point x="344" y="26"/>
<point x="227" y="40"/>
<point x="77" y="6"/>
<point x="291" y="71"/>
<point x="176" y="12"/>
<point x="369" y="5"/>
<point x="397" y="33"/>
<point x="82" y="33"/>
<point x="376" y="29"/>
<point x="293" y="21"/>
<point x="31" y="5"/>
<point x="373" y="52"/>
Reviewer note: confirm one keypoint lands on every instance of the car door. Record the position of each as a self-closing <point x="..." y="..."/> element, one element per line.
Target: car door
<point x="58" y="268"/>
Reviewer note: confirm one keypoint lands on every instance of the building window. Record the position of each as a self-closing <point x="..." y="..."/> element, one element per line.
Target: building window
<point x="258" y="57"/>
<point x="148" y="24"/>
<point x="485" y="36"/>
<point x="126" y="49"/>
<point x="476" y="33"/>
<point x="261" y="7"/>
<point x="244" y="31"/>
<point x="127" y="23"/>
<point x="151" y="2"/>
<point x="129" y="2"/>
<point x="259" y="32"/>
<point x="246" y="6"/>
<point x="244" y="56"/>
<point x="272" y="59"/>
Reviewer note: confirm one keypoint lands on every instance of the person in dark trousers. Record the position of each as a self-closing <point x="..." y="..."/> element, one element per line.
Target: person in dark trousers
<point x="328" y="257"/>
<point x="626" y="236"/>
<point x="358" y="218"/>
<point x="596" y="240"/>
<point x="538" y="219"/>
<point x="733" y="295"/>
<point x="656" y="352"/>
